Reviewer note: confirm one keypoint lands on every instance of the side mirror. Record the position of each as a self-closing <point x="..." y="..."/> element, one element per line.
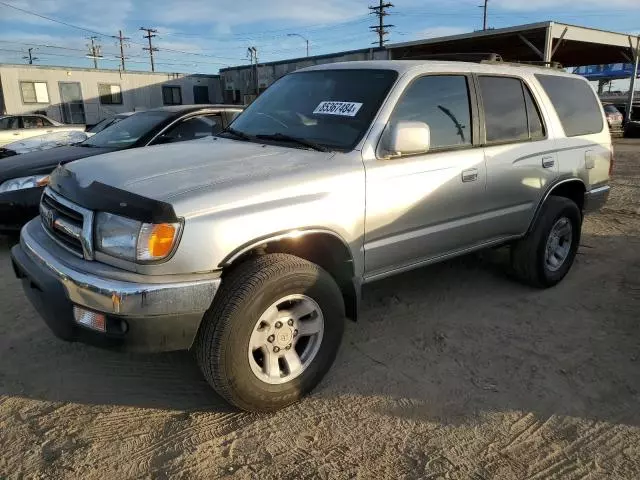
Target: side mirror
<point x="406" y="138"/>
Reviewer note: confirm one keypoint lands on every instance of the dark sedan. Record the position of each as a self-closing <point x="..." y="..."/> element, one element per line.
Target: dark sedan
<point x="23" y="177"/>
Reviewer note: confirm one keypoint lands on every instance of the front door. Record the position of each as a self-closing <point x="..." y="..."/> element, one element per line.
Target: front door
<point x="422" y="207"/>
<point x="71" y="103"/>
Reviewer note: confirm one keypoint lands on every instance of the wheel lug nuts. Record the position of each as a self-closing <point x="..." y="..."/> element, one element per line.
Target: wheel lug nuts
<point x="276" y="349"/>
<point x="290" y="322"/>
<point x="271" y="339"/>
<point x="287" y="347"/>
<point x="278" y="324"/>
<point x="295" y="333"/>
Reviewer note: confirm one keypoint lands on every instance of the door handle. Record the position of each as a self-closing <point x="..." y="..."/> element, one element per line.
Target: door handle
<point x="548" y="162"/>
<point x="16" y="134"/>
<point x="49" y="131"/>
<point x="470" y="175"/>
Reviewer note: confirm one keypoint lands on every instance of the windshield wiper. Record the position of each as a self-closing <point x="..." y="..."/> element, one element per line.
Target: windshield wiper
<point x="288" y="138"/>
<point x="237" y="134"/>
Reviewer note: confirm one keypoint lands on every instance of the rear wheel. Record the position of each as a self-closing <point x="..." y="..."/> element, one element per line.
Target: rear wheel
<point x="546" y="254"/>
<point x="272" y="332"/>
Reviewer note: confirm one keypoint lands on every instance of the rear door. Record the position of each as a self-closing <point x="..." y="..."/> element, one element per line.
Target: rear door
<point x="35" y="125"/>
<point x="520" y="156"/>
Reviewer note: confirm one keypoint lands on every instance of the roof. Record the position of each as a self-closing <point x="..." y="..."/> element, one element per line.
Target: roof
<point x="106" y="70"/>
<point x="570" y="45"/>
<point x="403" y="66"/>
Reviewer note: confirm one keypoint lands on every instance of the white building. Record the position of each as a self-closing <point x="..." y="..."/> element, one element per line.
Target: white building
<point x="83" y="95"/>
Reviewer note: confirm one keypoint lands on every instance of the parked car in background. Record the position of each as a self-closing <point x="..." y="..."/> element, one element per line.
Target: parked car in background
<point x="43" y="142"/>
<point x="614" y="118"/>
<point x="107" y="122"/>
<point x="20" y="127"/>
<point x="251" y="248"/>
<point x="23" y="177"/>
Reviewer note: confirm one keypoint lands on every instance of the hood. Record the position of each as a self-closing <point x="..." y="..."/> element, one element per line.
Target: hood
<point x="45" y="161"/>
<point x="165" y="172"/>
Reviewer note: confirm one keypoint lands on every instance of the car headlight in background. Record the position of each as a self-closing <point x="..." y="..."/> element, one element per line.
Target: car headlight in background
<point x="133" y="240"/>
<point x="24" y="182"/>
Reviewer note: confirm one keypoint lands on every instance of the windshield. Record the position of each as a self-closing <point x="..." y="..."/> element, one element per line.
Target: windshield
<point x="332" y="108"/>
<point x="128" y="131"/>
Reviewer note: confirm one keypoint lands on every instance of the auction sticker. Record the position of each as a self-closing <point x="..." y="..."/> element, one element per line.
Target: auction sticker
<point x="346" y="109"/>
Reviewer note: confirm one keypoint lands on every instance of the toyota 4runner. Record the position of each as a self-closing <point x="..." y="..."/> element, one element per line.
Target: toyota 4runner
<point x="251" y="248"/>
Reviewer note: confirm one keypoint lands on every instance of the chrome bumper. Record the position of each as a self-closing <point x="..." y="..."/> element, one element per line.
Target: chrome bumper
<point x="595" y="199"/>
<point x="117" y="297"/>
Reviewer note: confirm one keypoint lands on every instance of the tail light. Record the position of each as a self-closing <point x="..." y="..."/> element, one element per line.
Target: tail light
<point x="611" y="159"/>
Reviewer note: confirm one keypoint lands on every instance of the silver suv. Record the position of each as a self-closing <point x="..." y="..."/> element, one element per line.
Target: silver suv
<point x="251" y="248"/>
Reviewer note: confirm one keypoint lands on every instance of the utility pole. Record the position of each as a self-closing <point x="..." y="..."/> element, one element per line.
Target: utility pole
<point x="253" y="56"/>
<point x="31" y="58"/>
<point x="380" y="29"/>
<point x="121" y="39"/>
<point x="94" y="51"/>
<point x="151" y="49"/>
<point x="484" y="17"/>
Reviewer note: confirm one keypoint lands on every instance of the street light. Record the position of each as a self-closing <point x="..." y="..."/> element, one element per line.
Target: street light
<point x="304" y="38"/>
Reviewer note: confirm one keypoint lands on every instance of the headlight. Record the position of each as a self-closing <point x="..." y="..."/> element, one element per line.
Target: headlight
<point x="24" y="182"/>
<point x="132" y="240"/>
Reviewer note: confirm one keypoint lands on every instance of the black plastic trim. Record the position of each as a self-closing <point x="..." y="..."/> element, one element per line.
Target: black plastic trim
<point x="104" y="198"/>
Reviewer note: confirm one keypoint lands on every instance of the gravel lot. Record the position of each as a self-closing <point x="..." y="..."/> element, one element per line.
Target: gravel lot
<point x="453" y="371"/>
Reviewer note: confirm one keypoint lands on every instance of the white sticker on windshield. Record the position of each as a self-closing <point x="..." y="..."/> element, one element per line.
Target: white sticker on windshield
<point x="346" y="109"/>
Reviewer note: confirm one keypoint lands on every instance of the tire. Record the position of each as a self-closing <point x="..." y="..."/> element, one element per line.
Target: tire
<point x="529" y="255"/>
<point x="245" y="297"/>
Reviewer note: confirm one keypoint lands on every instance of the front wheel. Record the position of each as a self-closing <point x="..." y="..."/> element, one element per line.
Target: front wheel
<point x="545" y="255"/>
<point x="272" y="332"/>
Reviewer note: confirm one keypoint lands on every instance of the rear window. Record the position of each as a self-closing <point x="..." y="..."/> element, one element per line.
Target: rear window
<point x="575" y="103"/>
<point x="611" y="109"/>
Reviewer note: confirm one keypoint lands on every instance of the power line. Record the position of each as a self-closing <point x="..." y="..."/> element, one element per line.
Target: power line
<point x="381" y="29"/>
<point x="150" y="34"/>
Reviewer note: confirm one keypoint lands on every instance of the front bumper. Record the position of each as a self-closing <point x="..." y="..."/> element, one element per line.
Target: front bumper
<point x="144" y="313"/>
<point x="18" y="207"/>
<point x="595" y="199"/>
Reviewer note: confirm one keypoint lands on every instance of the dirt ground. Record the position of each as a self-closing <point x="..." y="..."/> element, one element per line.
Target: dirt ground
<point x="453" y="371"/>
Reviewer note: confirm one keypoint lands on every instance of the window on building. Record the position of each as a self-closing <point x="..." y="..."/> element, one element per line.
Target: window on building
<point x="171" y="95"/>
<point x="110" y="94"/>
<point x="505" y="112"/>
<point x="442" y="102"/>
<point x="200" y="94"/>
<point x="575" y="103"/>
<point x="34" y="92"/>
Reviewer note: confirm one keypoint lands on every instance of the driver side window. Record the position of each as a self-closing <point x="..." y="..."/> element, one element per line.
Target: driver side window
<point x="9" y="123"/>
<point x="442" y="102"/>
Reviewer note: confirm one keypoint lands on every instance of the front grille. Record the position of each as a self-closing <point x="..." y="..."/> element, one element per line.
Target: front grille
<point x="67" y="223"/>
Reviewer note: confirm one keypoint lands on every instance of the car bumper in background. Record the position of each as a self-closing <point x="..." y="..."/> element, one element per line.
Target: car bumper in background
<point x="595" y="199"/>
<point x="158" y="315"/>
<point x="18" y="207"/>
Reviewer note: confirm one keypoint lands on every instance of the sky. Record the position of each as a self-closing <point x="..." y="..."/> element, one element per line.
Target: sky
<point x="202" y="36"/>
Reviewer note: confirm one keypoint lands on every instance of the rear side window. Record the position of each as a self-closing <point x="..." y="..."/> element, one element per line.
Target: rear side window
<point x="575" y="103"/>
<point x="442" y="102"/>
<point x="536" y="127"/>
<point x="505" y="112"/>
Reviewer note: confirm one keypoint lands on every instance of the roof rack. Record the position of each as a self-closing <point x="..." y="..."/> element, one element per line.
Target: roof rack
<point x="459" y="57"/>
<point x="475" y="57"/>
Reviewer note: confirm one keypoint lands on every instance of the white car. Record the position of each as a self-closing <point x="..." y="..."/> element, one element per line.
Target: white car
<point x="19" y="127"/>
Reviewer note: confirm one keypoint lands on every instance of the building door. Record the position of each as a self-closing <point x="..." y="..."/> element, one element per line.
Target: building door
<point x="71" y="102"/>
<point x="200" y="94"/>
